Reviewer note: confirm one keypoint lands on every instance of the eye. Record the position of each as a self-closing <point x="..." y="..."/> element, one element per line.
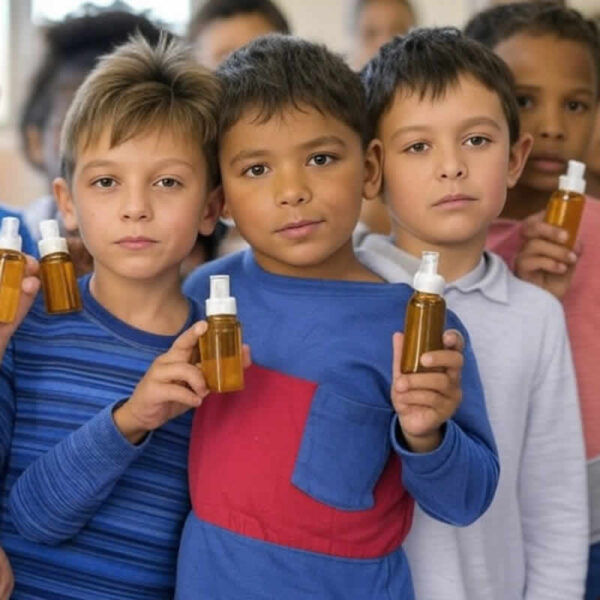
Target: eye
<point x="576" y="106"/>
<point x="321" y="160"/>
<point x="524" y="102"/>
<point x="417" y="148"/>
<point x="255" y="171"/>
<point x="477" y="141"/>
<point x="168" y="182"/>
<point x="104" y="182"/>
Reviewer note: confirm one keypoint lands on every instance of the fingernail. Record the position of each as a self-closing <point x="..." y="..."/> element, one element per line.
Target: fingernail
<point x="401" y="384"/>
<point x="561" y="267"/>
<point x="572" y="257"/>
<point x="563" y="236"/>
<point x="426" y="360"/>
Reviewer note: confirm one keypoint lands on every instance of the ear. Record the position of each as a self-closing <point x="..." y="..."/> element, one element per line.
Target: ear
<point x="373" y="169"/>
<point x="519" y="152"/>
<point x="64" y="201"/>
<point x="212" y="211"/>
<point x="34" y="147"/>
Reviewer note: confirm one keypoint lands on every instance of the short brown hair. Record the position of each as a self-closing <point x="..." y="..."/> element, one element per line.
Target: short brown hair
<point x="139" y="87"/>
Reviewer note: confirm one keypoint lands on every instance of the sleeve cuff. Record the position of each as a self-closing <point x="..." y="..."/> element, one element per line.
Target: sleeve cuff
<point x="426" y="463"/>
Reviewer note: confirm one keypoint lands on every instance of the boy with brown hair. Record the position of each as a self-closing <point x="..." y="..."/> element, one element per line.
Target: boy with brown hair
<point x="443" y="107"/>
<point x="95" y="491"/>
<point x="302" y="485"/>
<point x="553" y="53"/>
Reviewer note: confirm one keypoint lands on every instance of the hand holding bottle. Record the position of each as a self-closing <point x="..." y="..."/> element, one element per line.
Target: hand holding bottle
<point x="172" y="385"/>
<point x="425" y="401"/>
<point x="544" y="259"/>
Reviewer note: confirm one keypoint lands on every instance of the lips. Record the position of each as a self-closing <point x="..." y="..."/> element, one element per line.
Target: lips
<point x="299" y="229"/>
<point x="135" y="242"/>
<point x="548" y="163"/>
<point x="454" y="201"/>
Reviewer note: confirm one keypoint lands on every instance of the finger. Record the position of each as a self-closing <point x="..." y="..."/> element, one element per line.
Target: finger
<point x="32" y="266"/>
<point x="182" y="373"/>
<point x="454" y="340"/>
<point x="419" y="398"/>
<point x="534" y="229"/>
<point x="397" y="344"/>
<point x="442" y="359"/>
<point x="246" y="356"/>
<point x="30" y="286"/>
<point x="528" y="265"/>
<point x="173" y="392"/>
<point x="422" y="381"/>
<point x="548" y="249"/>
<point x="184" y="345"/>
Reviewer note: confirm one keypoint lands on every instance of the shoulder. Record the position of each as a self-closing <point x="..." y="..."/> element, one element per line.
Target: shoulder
<point x="196" y="284"/>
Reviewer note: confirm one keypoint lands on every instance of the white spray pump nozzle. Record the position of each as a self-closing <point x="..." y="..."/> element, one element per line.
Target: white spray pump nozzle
<point x="572" y="180"/>
<point x="51" y="241"/>
<point x="427" y="279"/>
<point x="9" y="234"/>
<point x="220" y="302"/>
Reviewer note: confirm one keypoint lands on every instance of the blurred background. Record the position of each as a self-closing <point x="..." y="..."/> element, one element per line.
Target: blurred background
<point x="21" y="46"/>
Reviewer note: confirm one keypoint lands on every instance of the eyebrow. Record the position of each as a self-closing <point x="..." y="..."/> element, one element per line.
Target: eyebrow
<point x="102" y="163"/>
<point x="324" y="140"/>
<point x="464" y="125"/>
<point x="535" y="88"/>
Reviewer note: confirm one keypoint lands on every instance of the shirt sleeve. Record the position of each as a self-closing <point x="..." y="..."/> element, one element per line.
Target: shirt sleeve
<point x="7" y="406"/>
<point x="58" y="493"/>
<point x="456" y="482"/>
<point x="552" y="480"/>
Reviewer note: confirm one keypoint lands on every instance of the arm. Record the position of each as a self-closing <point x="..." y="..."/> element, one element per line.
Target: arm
<point x="552" y="481"/>
<point x="455" y="480"/>
<point x="56" y="495"/>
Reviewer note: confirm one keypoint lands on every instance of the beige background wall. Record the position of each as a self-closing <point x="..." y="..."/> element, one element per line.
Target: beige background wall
<point x="322" y="20"/>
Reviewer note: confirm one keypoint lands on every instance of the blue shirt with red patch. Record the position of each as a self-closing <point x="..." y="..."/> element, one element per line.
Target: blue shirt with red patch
<point x="301" y="486"/>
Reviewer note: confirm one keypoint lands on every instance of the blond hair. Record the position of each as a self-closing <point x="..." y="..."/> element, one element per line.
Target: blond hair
<point x="138" y="88"/>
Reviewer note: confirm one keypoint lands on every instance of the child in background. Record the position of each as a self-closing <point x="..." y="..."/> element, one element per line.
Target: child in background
<point x="222" y="26"/>
<point x="95" y="491"/>
<point x="557" y="107"/>
<point x="443" y="107"/>
<point x="295" y="482"/>
<point x="375" y="22"/>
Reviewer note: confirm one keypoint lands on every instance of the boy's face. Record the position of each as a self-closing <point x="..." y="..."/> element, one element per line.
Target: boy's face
<point x="139" y="205"/>
<point x="221" y="37"/>
<point x="556" y="91"/>
<point x="447" y="164"/>
<point x="378" y="22"/>
<point x="293" y="185"/>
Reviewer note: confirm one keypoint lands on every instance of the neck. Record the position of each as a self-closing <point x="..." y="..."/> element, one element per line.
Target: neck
<point x="155" y="306"/>
<point x="342" y="265"/>
<point x="456" y="260"/>
<point x="523" y="201"/>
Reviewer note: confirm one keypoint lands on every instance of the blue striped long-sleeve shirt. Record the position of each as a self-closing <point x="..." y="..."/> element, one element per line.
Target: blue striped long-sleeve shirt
<point x="84" y="513"/>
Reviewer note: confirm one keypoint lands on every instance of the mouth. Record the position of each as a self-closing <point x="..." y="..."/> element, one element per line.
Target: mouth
<point x="135" y="242"/>
<point x="454" y="201"/>
<point x="548" y="163"/>
<point x="299" y="229"/>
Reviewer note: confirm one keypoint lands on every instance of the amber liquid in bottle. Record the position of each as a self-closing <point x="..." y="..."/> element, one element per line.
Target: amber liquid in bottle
<point x="12" y="268"/>
<point x="59" y="283"/>
<point x="564" y="210"/>
<point x="423" y="330"/>
<point x="221" y="354"/>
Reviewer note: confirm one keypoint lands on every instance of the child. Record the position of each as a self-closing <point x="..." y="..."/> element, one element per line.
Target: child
<point x="92" y="503"/>
<point x="557" y="106"/>
<point x="444" y="110"/>
<point x="222" y="26"/>
<point x="295" y="481"/>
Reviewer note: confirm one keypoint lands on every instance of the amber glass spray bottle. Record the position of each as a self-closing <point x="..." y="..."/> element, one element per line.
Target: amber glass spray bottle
<point x="425" y="315"/>
<point x="566" y="204"/>
<point x="59" y="283"/>
<point x="12" y="268"/>
<point x="221" y="345"/>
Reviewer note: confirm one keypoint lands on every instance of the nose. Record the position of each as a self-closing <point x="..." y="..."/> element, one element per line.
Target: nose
<point x="292" y="188"/>
<point x="135" y="205"/>
<point x="451" y="165"/>
<point x="551" y="124"/>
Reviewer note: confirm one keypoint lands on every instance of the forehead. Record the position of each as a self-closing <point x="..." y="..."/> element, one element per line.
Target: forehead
<point x="288" y="127"/>
<point x="529" y="57"/>
<point x="467" y="98"/>
<point x="388" y="12"/>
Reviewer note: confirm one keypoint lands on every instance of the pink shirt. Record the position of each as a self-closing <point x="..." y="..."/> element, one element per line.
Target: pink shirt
<point x="582" y="310"/>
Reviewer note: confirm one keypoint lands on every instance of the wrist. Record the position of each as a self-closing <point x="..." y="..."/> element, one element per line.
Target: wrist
<point x="421" y="444"/>
<point x="127" y="425"/>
